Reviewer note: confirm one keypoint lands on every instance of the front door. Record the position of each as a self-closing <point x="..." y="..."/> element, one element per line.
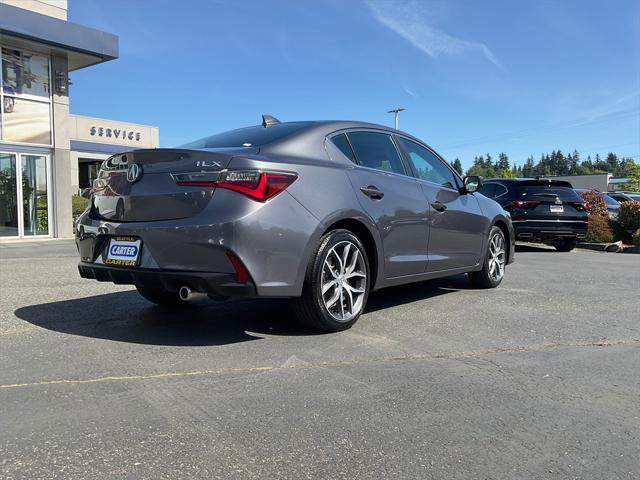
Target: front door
<point x="393" y="200"/>
<point x="456" y="223"/>
<point x="24" y="195"/>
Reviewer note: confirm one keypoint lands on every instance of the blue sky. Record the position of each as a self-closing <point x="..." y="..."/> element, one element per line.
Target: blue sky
<point x="474" y="77"/>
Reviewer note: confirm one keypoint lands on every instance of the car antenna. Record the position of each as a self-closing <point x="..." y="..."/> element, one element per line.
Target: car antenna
<point x="268" y="120"/>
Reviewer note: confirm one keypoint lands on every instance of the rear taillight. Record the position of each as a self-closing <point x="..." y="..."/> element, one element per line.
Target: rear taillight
<point x="255" y="184"/>
<point x="581" y="206"/>
<point x="526" y="204"/>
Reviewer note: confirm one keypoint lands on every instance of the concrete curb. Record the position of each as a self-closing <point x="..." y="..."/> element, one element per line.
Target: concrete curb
<point x="616" y="247"/>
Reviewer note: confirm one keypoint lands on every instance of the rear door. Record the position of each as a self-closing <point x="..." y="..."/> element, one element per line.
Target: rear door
<point x="456" y="223"/>
<point x="390" y="197"/>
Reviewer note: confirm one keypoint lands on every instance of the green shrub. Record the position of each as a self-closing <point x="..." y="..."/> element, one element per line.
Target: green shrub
<point x="599" y="230"/>
<point x="629" y="216"/>
<point x="636" y="238"/>
<point x="78" y="205"/>
<point x="595" y="203"/>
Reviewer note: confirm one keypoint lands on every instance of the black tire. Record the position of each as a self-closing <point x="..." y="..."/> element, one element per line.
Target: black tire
<point x="565" y="245"/>
<point x="161" y="297"/>
<point x="485" y="278"/>
<point x="311" y="308"/>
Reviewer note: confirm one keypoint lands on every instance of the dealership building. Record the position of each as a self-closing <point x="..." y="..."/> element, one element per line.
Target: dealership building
<point x="46" y="153"/>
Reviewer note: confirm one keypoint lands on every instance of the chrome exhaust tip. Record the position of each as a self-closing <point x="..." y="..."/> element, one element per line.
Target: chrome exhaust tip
<point x="186" y="294"/>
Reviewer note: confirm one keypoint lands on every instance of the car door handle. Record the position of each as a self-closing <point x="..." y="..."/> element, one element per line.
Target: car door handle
<point x="439" y="206"/>
<point x="372" y="191"/>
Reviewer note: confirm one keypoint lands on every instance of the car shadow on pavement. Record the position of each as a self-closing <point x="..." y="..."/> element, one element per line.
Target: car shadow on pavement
<point x="126" y="317"/>
<point x="415" y="292"/>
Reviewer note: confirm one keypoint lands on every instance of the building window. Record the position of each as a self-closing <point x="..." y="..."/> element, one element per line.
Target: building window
<point x="25" y="116"/>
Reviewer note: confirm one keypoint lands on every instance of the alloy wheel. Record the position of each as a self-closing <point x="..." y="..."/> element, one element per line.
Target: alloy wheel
<point x="497" y="256"/>
<point x="344" y="281"/>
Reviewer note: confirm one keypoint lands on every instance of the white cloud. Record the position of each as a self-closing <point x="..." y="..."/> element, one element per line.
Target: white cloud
<point x="408" y="91"/>
<point x="407" y="20"/>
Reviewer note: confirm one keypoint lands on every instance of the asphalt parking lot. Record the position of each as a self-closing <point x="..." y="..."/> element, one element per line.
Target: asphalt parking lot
<point x="539" y="378"/>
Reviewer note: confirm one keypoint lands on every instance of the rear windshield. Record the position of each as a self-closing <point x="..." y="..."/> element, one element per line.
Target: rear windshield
<point x="541" y="191"/>
<point x="248" y="136"/>
<point x="612" y="202"/>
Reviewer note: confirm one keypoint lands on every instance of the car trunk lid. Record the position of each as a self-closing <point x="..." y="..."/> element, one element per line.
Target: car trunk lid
<point x="140" y="185"/>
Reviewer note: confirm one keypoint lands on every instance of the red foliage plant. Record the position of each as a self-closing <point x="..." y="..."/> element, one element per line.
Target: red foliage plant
<point x="596" y="204"/>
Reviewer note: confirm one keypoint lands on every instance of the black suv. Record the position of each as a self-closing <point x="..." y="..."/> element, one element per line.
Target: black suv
<point x="542" y="210"/>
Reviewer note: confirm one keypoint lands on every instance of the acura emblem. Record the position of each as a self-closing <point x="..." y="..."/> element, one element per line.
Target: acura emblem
<point x="134" y="172"/>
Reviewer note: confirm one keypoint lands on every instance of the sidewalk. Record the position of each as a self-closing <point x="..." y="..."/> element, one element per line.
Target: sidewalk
<point x="45" y="247"/>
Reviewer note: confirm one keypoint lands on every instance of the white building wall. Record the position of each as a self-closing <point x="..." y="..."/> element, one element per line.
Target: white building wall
<point x="598" y="181"/>
<point x="52" y="8"/>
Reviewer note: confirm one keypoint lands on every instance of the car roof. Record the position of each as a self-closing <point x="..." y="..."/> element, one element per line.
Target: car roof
<point x="312" y="135"/>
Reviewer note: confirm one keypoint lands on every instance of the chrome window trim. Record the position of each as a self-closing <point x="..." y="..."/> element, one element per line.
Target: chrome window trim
<point x="506" y="190"/>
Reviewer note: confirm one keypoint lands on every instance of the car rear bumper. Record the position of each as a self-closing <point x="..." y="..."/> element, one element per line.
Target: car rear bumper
<point x="219" y="284"/>
<point x="273" y="249"/>
<point x="545" y="230"/>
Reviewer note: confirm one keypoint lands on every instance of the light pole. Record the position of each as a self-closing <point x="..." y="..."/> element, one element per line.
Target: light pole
<point x="395" y="112"/>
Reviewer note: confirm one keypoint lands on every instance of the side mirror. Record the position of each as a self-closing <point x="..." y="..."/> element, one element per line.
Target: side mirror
<point x="472" y="183"/>
<point x="86" y="192"/>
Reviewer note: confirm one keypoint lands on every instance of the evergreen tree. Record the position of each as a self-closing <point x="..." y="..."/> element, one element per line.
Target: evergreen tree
<point x="555" y="163"/>
<point x="528" y="170"/>
<point x="457" y="165"/>
<point x="613" y="166"/>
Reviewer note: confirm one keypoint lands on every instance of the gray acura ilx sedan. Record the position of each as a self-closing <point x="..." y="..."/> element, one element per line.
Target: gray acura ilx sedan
<point x="323" y="212"/>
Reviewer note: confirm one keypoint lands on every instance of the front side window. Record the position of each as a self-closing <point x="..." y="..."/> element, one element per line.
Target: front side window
<point x="427" y="165"/>
<point x="376" y="150"/>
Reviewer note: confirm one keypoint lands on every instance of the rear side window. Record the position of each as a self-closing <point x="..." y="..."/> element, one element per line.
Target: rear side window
<point x="342" y="143"/>
<point x="564" y="193"/>
<point x="376" y="150"/>
<point x="488" y="190"/>
<point x="500" y="190"/>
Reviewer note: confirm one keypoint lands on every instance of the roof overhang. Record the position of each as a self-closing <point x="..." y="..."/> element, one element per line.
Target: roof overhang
<point x="94" y="147"/>
<point x="83" y="46"/>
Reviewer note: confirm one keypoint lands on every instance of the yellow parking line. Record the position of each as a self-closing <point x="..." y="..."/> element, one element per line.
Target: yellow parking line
<point x="137" y="377"/>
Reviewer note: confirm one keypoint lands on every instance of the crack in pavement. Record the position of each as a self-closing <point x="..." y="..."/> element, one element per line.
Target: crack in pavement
<point x="321" y="365"/>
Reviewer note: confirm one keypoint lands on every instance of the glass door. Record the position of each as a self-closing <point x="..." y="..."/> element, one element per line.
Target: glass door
<point x="24" y="195"/>
<point x="35" y="198"/>
<point x="8" y="195"/>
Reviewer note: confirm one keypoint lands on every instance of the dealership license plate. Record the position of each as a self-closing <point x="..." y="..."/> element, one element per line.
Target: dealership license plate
<point x="556" y="208"/>
<point x="123" y="251"/>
